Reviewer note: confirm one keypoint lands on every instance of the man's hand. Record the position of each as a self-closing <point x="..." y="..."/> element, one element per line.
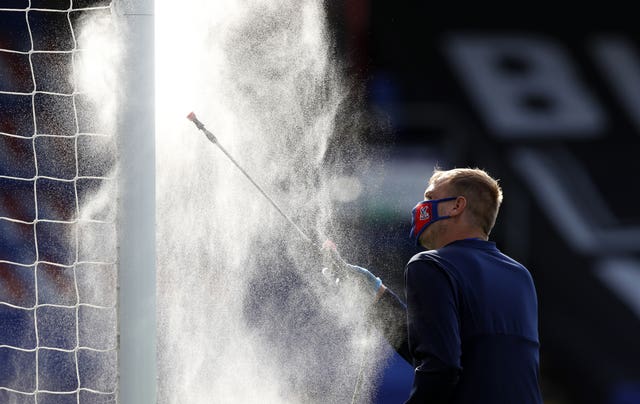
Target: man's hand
<point x="341" y="272"/>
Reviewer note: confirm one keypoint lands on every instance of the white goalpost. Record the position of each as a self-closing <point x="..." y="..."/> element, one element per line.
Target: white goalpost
<point x="137" y="281"/>
<point x="77" y="202"/>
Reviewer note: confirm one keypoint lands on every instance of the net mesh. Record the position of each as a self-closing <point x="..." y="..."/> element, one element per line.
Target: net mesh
<point x="58" y="337"/>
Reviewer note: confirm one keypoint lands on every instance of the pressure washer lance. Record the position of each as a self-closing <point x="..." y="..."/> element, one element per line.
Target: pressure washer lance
<point x="327" y="245"/>
<point x="192" y="117"/>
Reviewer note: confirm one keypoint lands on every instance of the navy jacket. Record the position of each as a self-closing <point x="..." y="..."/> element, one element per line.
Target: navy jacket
<point x="469" y="327"/>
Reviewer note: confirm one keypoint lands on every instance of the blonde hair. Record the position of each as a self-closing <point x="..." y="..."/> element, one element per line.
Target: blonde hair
<point x="482" y="192"/>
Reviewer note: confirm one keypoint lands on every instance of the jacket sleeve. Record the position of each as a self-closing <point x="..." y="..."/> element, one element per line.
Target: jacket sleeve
<point x="389" y="316"/>
<point x="433" y="332"/>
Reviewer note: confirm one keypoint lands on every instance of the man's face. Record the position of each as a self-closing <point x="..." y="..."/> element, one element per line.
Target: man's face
<point x="430" y="237"/>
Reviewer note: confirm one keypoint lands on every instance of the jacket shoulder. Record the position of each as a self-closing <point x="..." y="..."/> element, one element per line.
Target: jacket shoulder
<point x="426" y="259"/>
<point x="431" y="255"/>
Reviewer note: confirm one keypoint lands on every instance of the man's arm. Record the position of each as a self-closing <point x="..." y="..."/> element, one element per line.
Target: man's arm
<point x="433" y="332"/>
<point x="386" y="311"/>
<point x="389" y="315"/>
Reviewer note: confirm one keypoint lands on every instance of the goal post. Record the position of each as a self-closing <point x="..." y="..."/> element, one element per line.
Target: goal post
<point x="137" y="370"/>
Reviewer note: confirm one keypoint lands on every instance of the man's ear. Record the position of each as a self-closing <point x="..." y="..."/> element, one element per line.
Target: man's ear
<point x="459" y="205"/>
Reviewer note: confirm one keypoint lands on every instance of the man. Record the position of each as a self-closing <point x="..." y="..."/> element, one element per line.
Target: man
<point x="470" y="324"/>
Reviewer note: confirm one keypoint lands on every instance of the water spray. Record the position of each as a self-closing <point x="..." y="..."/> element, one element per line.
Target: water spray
<point x="192" y="117"/>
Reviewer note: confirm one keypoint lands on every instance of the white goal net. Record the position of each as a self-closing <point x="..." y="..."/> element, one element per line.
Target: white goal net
<point x="58" y="249"/>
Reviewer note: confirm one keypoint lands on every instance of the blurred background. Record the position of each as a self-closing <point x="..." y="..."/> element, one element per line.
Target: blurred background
<point x="548" y="103"/>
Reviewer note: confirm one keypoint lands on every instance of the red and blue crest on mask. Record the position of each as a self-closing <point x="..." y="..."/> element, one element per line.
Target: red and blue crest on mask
<point x="425" y="213"/>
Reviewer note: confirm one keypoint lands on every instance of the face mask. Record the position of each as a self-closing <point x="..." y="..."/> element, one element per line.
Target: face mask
<point x="425" y="213"/>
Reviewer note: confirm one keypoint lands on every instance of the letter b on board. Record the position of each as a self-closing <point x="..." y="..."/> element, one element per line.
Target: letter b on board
<point x="524" y="87"/>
